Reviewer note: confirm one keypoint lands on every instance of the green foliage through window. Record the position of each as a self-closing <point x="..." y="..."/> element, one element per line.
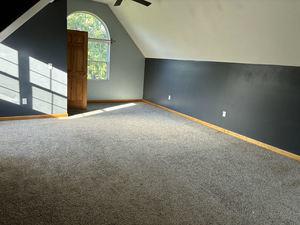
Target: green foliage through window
<point x="98" y="45"/>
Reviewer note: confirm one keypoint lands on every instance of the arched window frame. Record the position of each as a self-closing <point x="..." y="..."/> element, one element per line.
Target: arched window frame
<point x="107" y="41"/>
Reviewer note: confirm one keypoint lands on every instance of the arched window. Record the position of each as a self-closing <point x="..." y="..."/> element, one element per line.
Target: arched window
<point x="98" y="44"/>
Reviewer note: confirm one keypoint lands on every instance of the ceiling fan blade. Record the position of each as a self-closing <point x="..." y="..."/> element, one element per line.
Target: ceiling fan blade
<point x="118" y="3"/>
<point x="143" y="2"/>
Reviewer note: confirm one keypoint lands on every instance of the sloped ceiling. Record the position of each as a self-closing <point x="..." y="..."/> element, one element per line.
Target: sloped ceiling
<point x="245" y="31"/>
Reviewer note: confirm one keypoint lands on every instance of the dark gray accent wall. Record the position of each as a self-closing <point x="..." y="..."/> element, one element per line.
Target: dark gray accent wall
<point x="262" y="101"/>
<point x="24" y="70"/>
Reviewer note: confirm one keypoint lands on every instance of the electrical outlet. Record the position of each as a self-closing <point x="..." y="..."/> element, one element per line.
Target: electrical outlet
<point x="169" y="97"/>
<point x="24" y="101"/>
<point x="224" y="114"/>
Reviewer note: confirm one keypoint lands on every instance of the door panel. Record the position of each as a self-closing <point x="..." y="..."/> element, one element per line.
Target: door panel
<point x="77" y="69"/>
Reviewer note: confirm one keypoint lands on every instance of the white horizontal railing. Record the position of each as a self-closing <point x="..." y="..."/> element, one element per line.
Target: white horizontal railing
<point x="23" y="19"/>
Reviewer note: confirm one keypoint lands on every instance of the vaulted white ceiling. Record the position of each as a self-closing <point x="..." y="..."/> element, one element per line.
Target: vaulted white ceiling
<point x="246" y="31"/>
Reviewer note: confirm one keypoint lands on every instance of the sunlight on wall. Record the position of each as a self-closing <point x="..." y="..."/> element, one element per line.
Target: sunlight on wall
<point x="9" y="89"/>
<point x="9" y="73"/>
<point x="46" y="102"/>
<point x="48" y="84"/>
<point x="9" y="61"/>
<point x="59" y="82"/>
<point x="49" y="93"/>
<point x="39" y="73"/>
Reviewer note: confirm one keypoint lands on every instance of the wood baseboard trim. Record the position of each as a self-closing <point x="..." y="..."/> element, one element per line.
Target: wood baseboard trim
<point x="46" y="116"/>
<point x="231" y="133"/>
<point x="115" y="101"/>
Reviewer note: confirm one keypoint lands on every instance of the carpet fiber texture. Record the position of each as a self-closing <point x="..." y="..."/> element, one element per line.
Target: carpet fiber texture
<point x="139" y="165"/>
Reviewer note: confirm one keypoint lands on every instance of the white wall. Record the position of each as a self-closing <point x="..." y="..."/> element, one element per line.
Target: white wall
<point x="246" y="31"/>
<point x="127" y="62"/>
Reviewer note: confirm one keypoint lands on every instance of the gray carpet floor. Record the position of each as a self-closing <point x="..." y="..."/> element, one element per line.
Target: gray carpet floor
<point x="140" y="165"/>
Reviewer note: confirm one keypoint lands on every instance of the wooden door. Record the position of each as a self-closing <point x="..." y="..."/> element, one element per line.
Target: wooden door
<point x="77" y="69"/>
